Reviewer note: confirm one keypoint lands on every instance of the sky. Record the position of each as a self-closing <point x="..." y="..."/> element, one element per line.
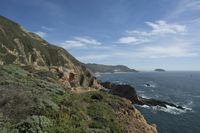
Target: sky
<point x="141" y="34"/>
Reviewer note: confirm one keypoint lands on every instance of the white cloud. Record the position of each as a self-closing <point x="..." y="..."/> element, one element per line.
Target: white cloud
<point x="80" y="42"/>
<point x="185" y="6"/>
<point x="136" y="32"/>
<point x="72" y="44"/>
<point x="41" y="34"/>
<point x="144" y="53"/>
<point x="162" y="27"/>
<point x="128" y="39"/>
<point x="47" y="28"/>
<point x="87" y="40"/>
<point x="158" y="29"/>
<point x="93" y="57"/>
<point x="167" y="51"/>
<point x="132" y="40"/>
<point x="175" y="49"/>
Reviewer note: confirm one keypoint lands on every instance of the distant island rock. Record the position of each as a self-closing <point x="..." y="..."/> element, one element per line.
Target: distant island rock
<point x="99" y="68"/>
<point x="159" y="70"/>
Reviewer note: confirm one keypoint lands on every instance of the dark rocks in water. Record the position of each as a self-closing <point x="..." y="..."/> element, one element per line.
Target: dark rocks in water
<point x="154" y="102"/>
<point x="147" y="85"/>
<point x="130" y="93"/>
<point x="125" y="91"/>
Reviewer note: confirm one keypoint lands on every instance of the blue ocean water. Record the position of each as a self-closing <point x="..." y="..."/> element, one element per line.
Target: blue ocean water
<point x="182" y="88"/>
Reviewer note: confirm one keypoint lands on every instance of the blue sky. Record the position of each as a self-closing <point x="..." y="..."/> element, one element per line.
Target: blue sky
<point x="142" y="34"/>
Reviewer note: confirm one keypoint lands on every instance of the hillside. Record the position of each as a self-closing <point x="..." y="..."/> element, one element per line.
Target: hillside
<point x="108" y="68"/>
<point x="44" y="89"/>
<point x="18" y="46"/>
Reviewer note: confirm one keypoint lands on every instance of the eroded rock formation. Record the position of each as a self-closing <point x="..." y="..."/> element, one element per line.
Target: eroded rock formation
<point x="18" y="46"/>
<point x="129" y="92"/>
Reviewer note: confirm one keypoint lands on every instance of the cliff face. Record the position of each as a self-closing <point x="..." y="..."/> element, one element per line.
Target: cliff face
<point x="17" y="46"/>
<point x="35" y="101"/>
<point x="37" y="84"/>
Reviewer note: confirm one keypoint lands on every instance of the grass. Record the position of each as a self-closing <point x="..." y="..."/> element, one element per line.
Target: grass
<point x="39" y="96"/>
<point x="50" y="53"/>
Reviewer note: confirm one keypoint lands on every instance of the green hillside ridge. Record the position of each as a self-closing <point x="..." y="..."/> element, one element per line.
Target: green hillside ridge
<point x="108" y="68"/>
<point x="35" y="101"/>
<point x="18" y="46"/>
<point x="44" y="89"/>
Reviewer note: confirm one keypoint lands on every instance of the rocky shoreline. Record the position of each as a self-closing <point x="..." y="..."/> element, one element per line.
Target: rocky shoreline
<point x="43" y="88"/>
<point x="129" y="92"/>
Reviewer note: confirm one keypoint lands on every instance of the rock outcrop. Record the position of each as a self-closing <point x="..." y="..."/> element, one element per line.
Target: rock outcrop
<point x="37" y="85"/>
<point x="125" y="91"/>
<point x="133" y="120"/>
<point x="34" y="101"/>
<point x="129" y="92"/>
<point x="18" y="46"/>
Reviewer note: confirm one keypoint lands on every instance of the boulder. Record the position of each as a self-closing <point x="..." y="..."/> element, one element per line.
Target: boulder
<point x="125" y="91"/>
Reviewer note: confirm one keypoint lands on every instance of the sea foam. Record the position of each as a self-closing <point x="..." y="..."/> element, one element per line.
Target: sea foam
<point x="169" y="109"/>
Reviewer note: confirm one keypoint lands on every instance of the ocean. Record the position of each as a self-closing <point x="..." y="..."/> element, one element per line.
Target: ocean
<point x="182" y="88"/>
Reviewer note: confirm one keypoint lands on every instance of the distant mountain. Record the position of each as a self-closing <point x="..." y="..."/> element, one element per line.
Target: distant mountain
<point x="159" y="70"/>
<point x="108" y="68"/>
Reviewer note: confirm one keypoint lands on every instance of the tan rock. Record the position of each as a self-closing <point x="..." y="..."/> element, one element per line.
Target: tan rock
<point x="133" y="121"/>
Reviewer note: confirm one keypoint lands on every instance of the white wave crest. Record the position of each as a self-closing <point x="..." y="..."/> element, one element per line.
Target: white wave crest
<point x="150" y="85"/>
<point x="169" y="109"/>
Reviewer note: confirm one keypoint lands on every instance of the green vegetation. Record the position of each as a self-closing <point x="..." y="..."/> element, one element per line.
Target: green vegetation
<point x="9" y="31"/>
<point x="35" y="101"/>
<point x="108" y="68"/>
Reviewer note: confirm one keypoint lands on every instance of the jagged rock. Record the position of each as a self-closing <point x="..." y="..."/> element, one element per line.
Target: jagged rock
<point x="126" y="91"/>
<point x="154" y="102"/>
<point x="132" y="119"/>
<point x="18" y="46"/>
<point x="129" y="92"/>
<point x="40" y="103"/>
<point x="35" y="95"/>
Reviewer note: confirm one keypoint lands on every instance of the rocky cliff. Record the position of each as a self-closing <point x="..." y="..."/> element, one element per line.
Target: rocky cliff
<point x="18" y="46"/>
<point x="43" y="89"/>
<point x="129" y="92"/>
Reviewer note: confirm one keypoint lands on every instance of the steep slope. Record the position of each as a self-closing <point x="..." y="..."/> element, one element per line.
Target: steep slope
<point x="37" y="83"/>
<point x="17" y="46"/>
<point x="34" y="101"/>
<point x="108" y="68"/>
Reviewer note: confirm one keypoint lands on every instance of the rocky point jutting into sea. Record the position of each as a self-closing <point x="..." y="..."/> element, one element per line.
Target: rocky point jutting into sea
<point x="127" y="91"/>
<point x="44" y="89"/>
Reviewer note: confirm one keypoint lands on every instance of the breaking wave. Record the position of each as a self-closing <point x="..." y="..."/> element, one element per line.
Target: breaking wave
<point x="169" y="109"/>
